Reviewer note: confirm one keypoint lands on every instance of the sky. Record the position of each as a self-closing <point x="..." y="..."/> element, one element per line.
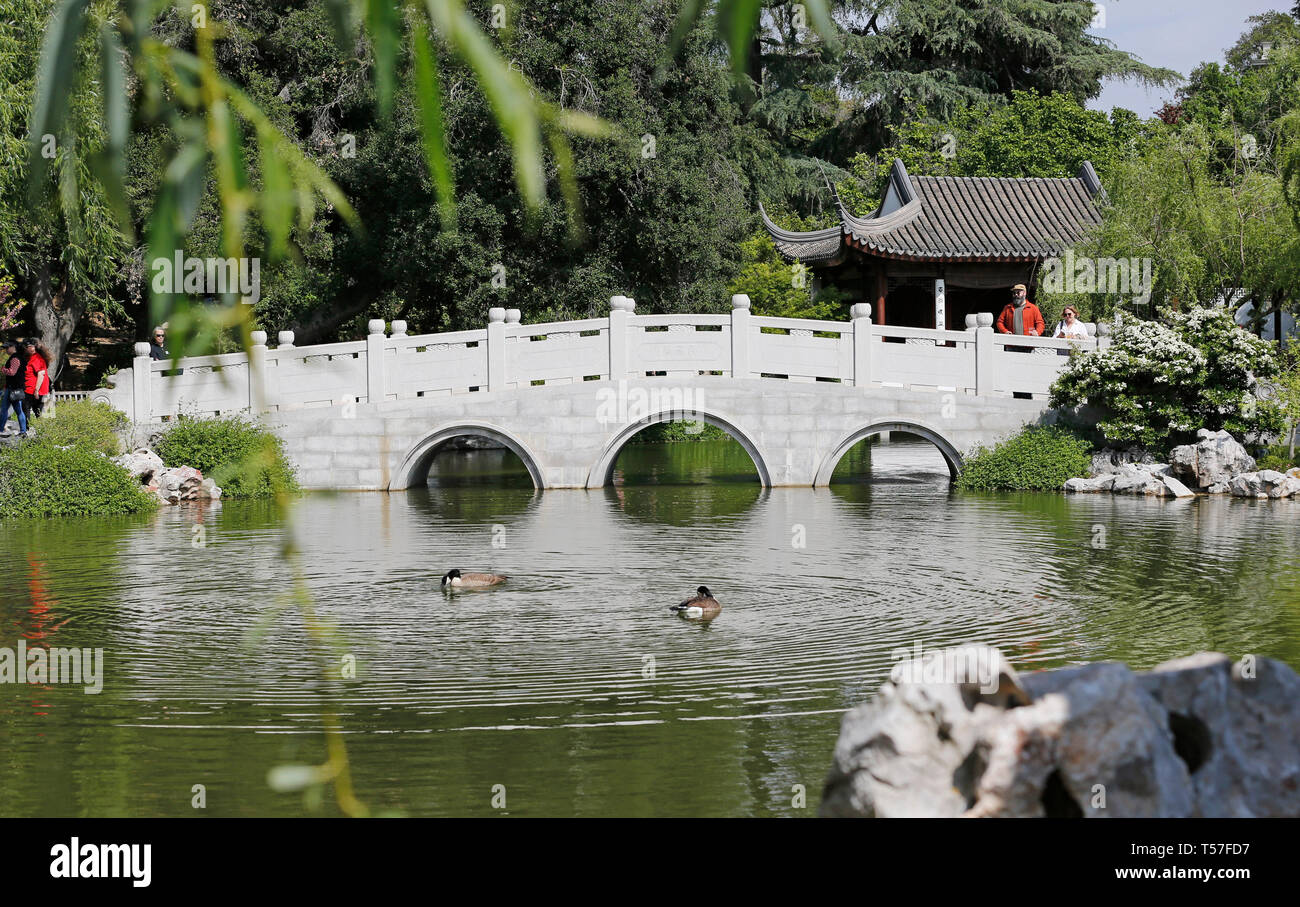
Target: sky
<point x="1177" y="34"/>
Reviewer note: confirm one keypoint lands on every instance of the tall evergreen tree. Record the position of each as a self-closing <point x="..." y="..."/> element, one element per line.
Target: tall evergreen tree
<point x="902" y="56"/>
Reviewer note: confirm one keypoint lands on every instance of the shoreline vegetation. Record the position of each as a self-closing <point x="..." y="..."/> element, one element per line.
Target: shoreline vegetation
<point x="72" y="464"/>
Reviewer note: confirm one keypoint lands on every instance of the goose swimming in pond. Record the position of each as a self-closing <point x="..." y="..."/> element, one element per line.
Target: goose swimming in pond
<point x="701" y="606"/>
<point x="457" y="580"/>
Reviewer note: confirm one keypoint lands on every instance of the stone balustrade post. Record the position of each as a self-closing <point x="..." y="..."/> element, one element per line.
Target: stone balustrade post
<point x="742" y="365"/>
<point x="284" y="340"/>
<point x="985" y="361"/>
<point x="496" y="349"/>
<point x="141" y="384"/>
<point x="862" y="338"/>
<point x="399" y="328"/>
<point x="971" y="322"/>
<point x="513" y="317"/>
<point x="620" y="352"/>
<point x="375" y="366"/>
<point x="1104" y="329"/>
<point x="257" y="401"/>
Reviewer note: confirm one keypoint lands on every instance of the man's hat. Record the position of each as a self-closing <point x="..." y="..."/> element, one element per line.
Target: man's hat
<point x="1019" y="286"/>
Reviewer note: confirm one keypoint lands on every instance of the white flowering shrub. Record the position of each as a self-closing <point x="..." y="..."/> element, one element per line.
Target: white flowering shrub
<point x="1160" y="381"/>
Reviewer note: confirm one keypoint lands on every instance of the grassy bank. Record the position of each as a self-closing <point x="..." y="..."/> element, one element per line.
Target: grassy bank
<point x="1038" y="458"/>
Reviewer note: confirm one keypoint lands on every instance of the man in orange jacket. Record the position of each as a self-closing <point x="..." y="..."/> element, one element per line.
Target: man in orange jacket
<point x="1021" y="316"/>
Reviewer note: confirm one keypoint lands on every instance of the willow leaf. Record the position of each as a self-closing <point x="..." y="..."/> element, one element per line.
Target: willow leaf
<point x="507" y="92"/>
<point x="428" y="96"/>
<point x="54" y="78"/>
<point x="383" y="26"/>
<point x="276" y="201"/>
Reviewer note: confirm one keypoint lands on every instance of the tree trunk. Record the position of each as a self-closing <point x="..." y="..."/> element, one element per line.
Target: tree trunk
<point x="57" y="311"/>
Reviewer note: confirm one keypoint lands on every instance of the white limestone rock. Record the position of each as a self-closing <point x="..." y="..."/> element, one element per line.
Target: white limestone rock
<point x="1089" y="485"/>
<point x="1212" y="460"/>
<point x="1195" y="737"/>
<point x="1138" y="481"/>
<point x="1176" y="489"/>
<point x="142" y="463"/>
<point x="1267" y="483"/>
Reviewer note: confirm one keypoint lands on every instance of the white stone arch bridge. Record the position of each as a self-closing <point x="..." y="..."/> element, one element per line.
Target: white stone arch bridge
<point x="566" y="396"/>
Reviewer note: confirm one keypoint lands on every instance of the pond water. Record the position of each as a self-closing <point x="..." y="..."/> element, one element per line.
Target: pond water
<point x="572" y="690"/>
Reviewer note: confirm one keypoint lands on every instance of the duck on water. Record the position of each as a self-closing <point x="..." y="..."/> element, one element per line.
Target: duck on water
<point x="454" y="579"/>
<point x="701" y="606"/>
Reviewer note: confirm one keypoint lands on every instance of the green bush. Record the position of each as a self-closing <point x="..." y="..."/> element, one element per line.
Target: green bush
<point x="1276" y="457"/>
<point x="1037" y="459"/>
<point x="244" y="457"/>
<point x="1160" y="381"/>
<point x="42" y="479"/>
<point x="83" y="423"/>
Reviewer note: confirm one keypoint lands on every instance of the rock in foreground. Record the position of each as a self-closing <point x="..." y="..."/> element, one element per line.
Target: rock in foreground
<point x="1199" y="736"/>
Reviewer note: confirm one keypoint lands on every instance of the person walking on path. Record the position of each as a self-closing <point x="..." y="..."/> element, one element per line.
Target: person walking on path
<point x="1020" y="316"/>
<point x="36" y="379"/>
<point x="13" y="391"/>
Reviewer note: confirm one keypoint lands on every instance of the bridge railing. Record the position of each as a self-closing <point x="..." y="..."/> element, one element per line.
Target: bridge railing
<point x="507" y="354"/>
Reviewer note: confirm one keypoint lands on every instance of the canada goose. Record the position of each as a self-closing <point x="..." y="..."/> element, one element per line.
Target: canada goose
<point x="702" y="606"/>
<point x="457" y="580"/>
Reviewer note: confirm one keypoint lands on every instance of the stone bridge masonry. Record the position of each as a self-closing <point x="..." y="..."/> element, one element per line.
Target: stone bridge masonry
<point x="567" y="396"/>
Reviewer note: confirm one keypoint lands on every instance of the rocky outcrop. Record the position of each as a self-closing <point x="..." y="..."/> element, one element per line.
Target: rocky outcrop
<point x="1216" y="464"/>
<point x="1267" y="483"/>
<point x="142" y="463"/>
<point x="1108" y="460"/>
<point x="171" y="485"/>
<point x="1199" y="736"/>
<point x="1132" y="478"/>
<point x="1213" y="460"/>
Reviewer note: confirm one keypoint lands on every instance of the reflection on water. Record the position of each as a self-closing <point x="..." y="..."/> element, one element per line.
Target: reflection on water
<point x="573" y="685"/>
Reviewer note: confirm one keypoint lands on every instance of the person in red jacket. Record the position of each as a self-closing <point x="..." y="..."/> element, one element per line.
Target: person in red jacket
<point x="1020" y="316"/>
<point x="36" y="379"/>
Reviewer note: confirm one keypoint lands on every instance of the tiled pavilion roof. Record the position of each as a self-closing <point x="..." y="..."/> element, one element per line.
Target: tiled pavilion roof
<point x="947" y="218"/>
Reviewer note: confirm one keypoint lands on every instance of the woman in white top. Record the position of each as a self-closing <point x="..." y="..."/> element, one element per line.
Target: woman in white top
<point x="1070" y="327"/>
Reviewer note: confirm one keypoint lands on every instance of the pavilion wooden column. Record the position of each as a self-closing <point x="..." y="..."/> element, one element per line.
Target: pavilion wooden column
<point x="879" y="307"/>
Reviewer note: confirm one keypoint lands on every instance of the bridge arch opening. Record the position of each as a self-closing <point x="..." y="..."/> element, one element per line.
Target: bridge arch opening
<point x="442" y="445"/>
<point x="602" y="473"/>
<point x="952" y="457"/>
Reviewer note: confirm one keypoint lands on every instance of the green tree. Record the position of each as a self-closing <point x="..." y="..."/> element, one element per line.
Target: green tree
<point x="1213" y="237"/>
<point x="777" y="288"/>
<point x="66" y="251"/>
<point x="950" y="55"/>
<point x="1028" y="135"/>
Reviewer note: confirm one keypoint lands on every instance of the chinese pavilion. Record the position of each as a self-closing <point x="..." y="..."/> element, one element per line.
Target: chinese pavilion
<point x="941" y="247"/>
